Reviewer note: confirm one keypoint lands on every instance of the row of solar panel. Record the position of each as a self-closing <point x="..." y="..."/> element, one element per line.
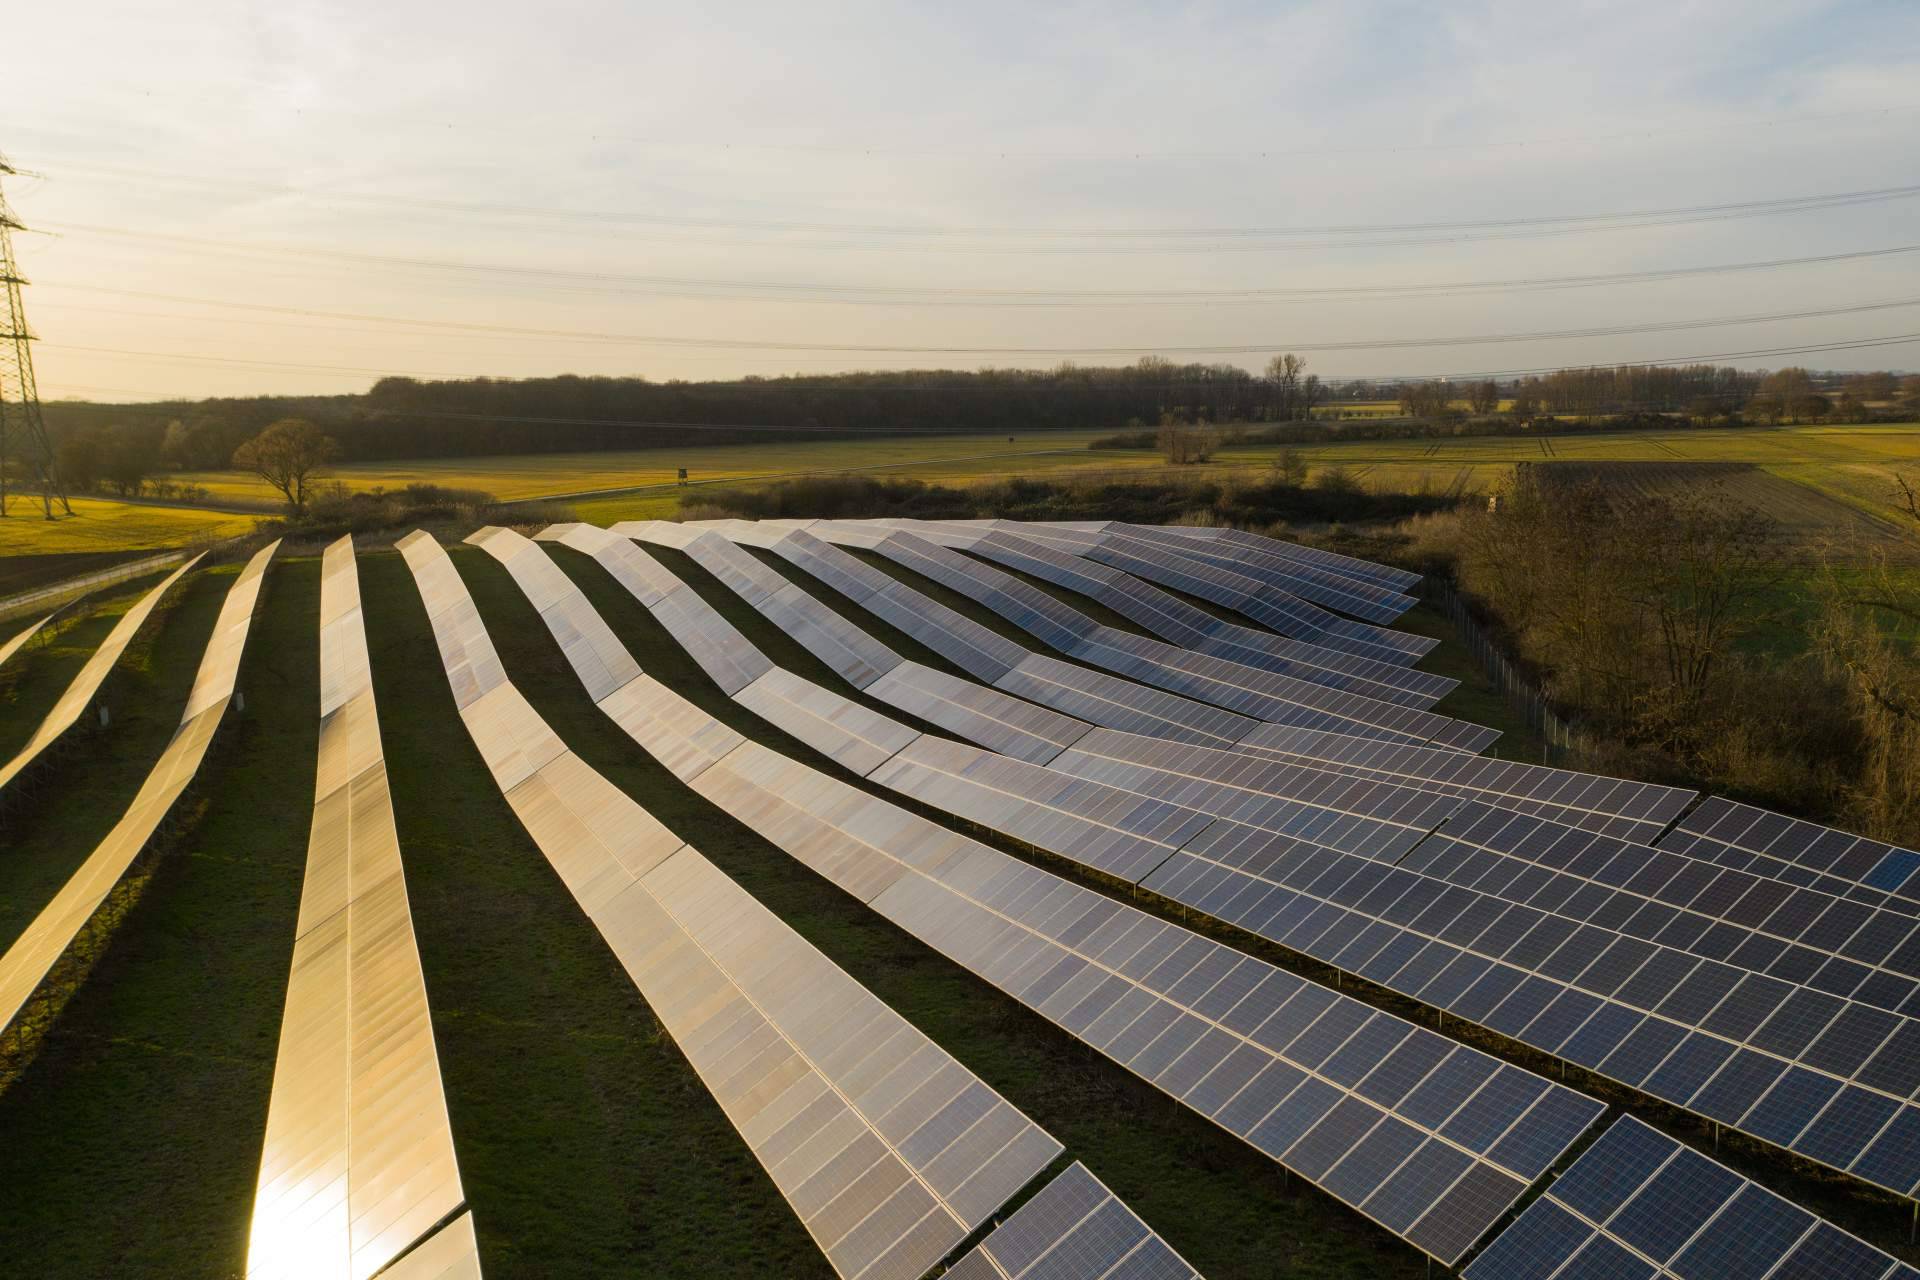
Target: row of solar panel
<point x="79" y="694"/>
<point x="1282" y="611"/>
<point x="1582" y="799"/>
<point x="889" y="1150"/>
<point x="1141" y="983"/>
<point x="1630" y="1013"/>
<point x="1364" y="835"/>
<point x="1250" y="691"/>
<point x="1264" y="693"/>
<point x="32" y="955"/>
<point x="1012" y="812"/>
<point x="1639" y="1206"/>
<point x="1074" y="1229"/>
<point x="357" y="1167"/>
<point x="1807" y="936"/>
<point x="1183" y="623"/>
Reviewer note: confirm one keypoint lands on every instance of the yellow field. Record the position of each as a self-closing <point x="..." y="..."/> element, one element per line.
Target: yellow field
<point x="554" y="474"/>
<point x="98" y="525"/>
<point x="1844" y="462"/>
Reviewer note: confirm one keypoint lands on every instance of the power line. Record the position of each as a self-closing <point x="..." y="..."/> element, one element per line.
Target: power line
<point x="997" y="153"/>
<point x="1128" y="240"/>
<point x="905" y="295"/>
<point x="1236" y="348"/>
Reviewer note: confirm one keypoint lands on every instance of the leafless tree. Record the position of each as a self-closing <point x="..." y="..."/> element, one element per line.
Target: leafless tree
<point x="289" y="455"/>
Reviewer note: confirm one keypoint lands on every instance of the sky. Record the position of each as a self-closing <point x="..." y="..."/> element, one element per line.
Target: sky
<point x="300" y="197"/>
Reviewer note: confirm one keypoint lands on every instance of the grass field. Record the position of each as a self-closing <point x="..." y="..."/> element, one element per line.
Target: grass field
<point x="34" y="550"/>
<point x="550" y="474"/>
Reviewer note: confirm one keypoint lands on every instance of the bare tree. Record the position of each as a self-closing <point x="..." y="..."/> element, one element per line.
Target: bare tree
<point x="1293" y="392"/>
<point x="1484" y="397"/>
<point x="1291" y="464"/>
<point x="289" y="455"/>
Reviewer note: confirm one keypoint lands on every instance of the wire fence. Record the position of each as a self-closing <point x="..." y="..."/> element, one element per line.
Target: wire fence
<point x="69" y="589"/>
<point x="1560" y="738"/>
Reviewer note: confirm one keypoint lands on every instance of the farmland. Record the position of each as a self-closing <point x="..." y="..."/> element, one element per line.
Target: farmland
<point x="35" y="550"/>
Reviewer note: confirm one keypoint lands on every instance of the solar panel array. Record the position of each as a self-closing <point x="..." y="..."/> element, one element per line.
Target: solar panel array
<point x="1171" y="618"/>
<point x="1639" y="1206"/>
<point x="990" y="658"/>
<point x="358" y="1162"/>
<point x="1356" y="597"/>
<point x="1073" y="1229"/>
<point x="34" y="953"/>
<point x="888" y="1150"/>
<point x="1825" y="1078"/>
<point x="1765" y="1087"/>
<point x="980" y="713"/>
<point x="1397" y="1169"/>
<point x="1799" y="852"/>
<point x="1237" y="541"/>
<point x="1254" y="691"/>
<point x="1432" y="1139"/>
<point x="1792" y="1064"/>
<point x="1722" y="914"/>
<point x="66" y="712"/>
<point x="1280" y="610"/>
<point x="1614" y="806"/>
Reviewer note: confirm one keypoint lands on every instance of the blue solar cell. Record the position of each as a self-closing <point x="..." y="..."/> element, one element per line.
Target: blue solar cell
<point x="1747" y="1240"/>
<point x="1737" y="1086"/>
<point x="1545" y="1132"/>
<point x="1893" y="1158"/>
<point x="1612" y="1170"/>
<point x="1602" y="1259"/>
<point x="1679" y="1200"/>
<point x="1829" y="1253"/>
<point x="1422" y="1180"/>
<point x="1260" y="1096"/>
<point x="1338" y="1132"/>
<point x="1841" y="1132"/>
<point x="1534" y="1246"/>
<point x="1795" y="1099"/>
<point x="1487" y="1116"/>
<point x="1688" y="1067"/>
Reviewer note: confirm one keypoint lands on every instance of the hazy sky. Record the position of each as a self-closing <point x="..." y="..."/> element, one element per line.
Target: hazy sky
<point x="790" y="178"/>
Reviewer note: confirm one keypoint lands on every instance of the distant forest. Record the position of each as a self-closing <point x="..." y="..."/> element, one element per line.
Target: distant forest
<point x="407" y="418"/>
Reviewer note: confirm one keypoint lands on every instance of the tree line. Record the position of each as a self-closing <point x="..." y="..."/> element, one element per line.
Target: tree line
<point x="129" y="449"/>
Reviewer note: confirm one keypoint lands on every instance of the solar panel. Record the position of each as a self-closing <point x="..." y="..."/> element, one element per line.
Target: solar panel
<point x="1433" y="1140"/>
<point x="1798" y="852"/>
<point x="40" y="946"/>
<point x="17" y="641"/>
<point x="1113" y="831"/>
<point x="1101" y="698"/>
<point x="1073" y="1229"/>
<point x="1060" y="626"/>
<point x="997" y="721"/>
<point x="73" y="702"/>
<point x="854" y="655"/>
<point x="1373" y="818"/>
<point x="849" y="734"/>
<point x="1639" y="1204"/>
<point x="1825" y="1078"/>
<point x="1284" y="612"/>
<point x="1351" y="596"/>
<point x="1613" y="806"/>
<point x="451" y="1253"/>
<point x="889" y="1151"/>
<point x="1272" y="697"/>
<point x="1838" y="948"/>
<point x="357" y="1166"/>
<point x="1231" y="540"/>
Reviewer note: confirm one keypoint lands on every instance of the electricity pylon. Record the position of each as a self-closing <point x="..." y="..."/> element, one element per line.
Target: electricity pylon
<point x="19" y="397"/>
